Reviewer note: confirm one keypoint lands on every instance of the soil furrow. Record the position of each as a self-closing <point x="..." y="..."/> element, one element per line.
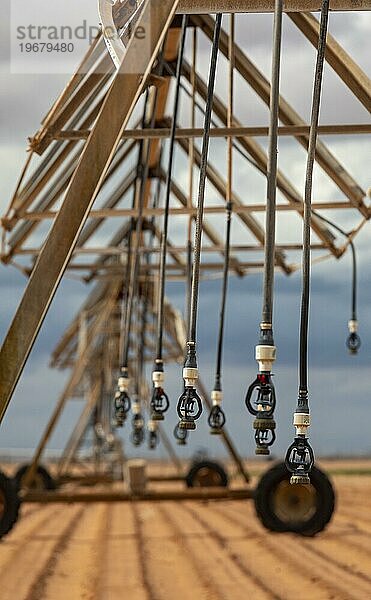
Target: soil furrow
<point x="27" y="565"/>
<point x="186" y="550"/>
<point x="223" y="543"/>
<point x="38" y="588"/>
<point x="121" y="570"/>
<point x="170" y="566"/>
<point x="76" y="568"/>
<point x="142" y="553"/>
<point x="23" y="534"/>
<point x="327" y="571"/>
<point x="189" y="545"/>
<point x="211" y="555"/>
<point x="265" y="549"/>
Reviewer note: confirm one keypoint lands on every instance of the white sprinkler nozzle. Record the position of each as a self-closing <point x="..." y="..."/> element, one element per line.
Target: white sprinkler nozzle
<point x="158" y="378"/>
<point x="265" y="355"/>
<point x="123" y="384"/>
<point x="353" y="326"/>
<point x="190" y="376"/>
<point x="216" y="397"/>
<point x="302" y="423"/>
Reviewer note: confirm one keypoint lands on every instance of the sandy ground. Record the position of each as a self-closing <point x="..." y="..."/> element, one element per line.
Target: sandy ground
<point x="186" y="551"/>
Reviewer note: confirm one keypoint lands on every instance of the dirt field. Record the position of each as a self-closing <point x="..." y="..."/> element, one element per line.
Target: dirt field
<point x="186" y="551"/>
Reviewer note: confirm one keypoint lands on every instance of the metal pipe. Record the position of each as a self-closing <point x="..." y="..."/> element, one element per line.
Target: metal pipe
<point x="202" y="7"/>
<point x="224" y="132"/>
<point x="181" y="211"/>
<point x="150" y="496"/>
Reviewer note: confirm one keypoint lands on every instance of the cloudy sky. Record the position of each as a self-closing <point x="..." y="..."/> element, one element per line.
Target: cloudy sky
<point x="339" y="383"/>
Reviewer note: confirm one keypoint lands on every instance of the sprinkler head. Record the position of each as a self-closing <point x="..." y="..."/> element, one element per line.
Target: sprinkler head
<point x="189" y="408"/>
<point x="353" y="340"/>
<point x="353" y="343"/>
<point x="159" y="404"/>
<point x="216" y="420"/>
<point x="138" y="422"/>
<point x="153" y="439"/>
<point x="264" y="435"/>
<point x="180" y="435"/>
<point x="122" y="406"/>
<point x="261" y="396"/>
<point x="261" y="401"/>
<point x="137" y="437"/>
<point x="299" y="460"/>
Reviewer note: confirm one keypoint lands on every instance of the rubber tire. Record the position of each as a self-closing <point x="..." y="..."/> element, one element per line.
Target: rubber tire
<point x="325" y="502"/>
<point x="214" y="466"/>
<point x="12" y="504"/>
<point x="47" y="479"/>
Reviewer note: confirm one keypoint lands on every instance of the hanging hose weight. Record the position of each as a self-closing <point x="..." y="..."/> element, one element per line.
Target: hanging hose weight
<point x="300" y="456"/>
<point x="189" y="405"/>
<point x="153" y="439"/>
<point x="159" y="400"/>
<point x="180" y="435"/>
<point x="122" y="405"/>
<point x="265" y="352"/>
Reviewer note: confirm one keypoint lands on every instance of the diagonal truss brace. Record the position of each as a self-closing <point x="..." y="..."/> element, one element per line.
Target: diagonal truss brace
<point x="95" y="159"/>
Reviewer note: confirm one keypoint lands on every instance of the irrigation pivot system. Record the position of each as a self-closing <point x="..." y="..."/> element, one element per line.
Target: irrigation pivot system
<point x="122" y="191"/>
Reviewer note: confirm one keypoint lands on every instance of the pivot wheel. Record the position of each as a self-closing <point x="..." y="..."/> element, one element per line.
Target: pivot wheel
<point x="303" y="509"/>
<point x="9" y="504"/>
<point x="207" y="474"/>
<point x="42" y="479"/>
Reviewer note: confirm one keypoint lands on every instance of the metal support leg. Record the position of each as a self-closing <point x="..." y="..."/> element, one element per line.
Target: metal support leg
<point x="75" y="378"/>
<point x="79" y="431"/>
